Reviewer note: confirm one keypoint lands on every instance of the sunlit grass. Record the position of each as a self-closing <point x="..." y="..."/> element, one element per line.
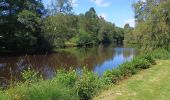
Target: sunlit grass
<point x="150" y="84"/>
<point x="43" y="90"/>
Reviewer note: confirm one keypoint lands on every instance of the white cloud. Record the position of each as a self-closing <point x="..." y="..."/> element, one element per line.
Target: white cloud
<point x="103" y="15"/>
<point x="74" y="3"/>
<point x="131" y="22"/>
<point x="101" y="3"/>
<point x="143" y="0"/>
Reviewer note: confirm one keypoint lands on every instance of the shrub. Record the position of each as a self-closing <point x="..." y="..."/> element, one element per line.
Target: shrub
<point x="112" y="76"/>
<point x="3" y="96"/>
<point x="161" y="54"/>
<point x="128" y="69"/>
<point x="30" y="76"/>
<point x="149" y="58"/>
<point x="140" y="63"/>
<point x="67" y="78"/>
<point x="88" y="85"/>
<point x="44" y="90"/>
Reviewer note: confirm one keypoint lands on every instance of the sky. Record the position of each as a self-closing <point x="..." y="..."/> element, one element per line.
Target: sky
<point x="119" y="12"/>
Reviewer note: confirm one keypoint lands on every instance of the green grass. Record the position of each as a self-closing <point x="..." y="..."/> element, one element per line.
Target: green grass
<point x="42" y="90"/>
<point x="3" y="96"/>
<point x="149" y="84"/>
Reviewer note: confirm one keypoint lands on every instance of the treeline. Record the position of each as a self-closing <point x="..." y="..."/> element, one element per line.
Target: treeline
<point x="84" y="29"/>
<point x="26" y="26"/>
<point x="152" y="25"/>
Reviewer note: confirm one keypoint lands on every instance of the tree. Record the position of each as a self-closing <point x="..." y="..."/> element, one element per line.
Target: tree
<point x="153" y="31"/>
<point x="91" y="21"/>
<point x="61" y="6"/>
<point x="127" y="26"/>
<point x="60" y="28"/>
<point x="15" y="14"/>
<point x="119" y="36"/>
<point x="91" y="24"/>
<point x="106" y="32"/>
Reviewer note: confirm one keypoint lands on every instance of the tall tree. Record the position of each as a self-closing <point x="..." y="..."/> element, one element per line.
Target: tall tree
<point x="128" y="34"/>
<point x="15" y="16"/>
<point x="60" y="28"/>
<point x="91" y="25"/>
<point x="153" y="31"/>
<point x="60" y="6"/>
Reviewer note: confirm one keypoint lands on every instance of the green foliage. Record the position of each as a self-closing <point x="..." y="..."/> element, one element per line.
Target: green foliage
<point x="141" y="63"/>
<point x="60" y="28"/>
<point x="20" y="28"/>
<point x="128" y="35"/>
<point x="107" y="31"/>
<point x="67" y="78"/>
<point x="127" y="69"/>
<point x="26" y="29"/>
<point x="119" y="36"/>
<point x="30" y="76"/>
<point x="3" y="96"/>
<point x="60" y="6"/>
<point x="78" y="30"/>
<point x="112" y="76"/>
<point x="91" y="21"/>
<point x="150" y="15"/>
<point x="88" y="85"/>
<point x="161" y="54"/>
<point x="30" y="20"/>
<point x="150" y="58"/>
<point x="84" y="38"/>
<point x="43" y="90"/>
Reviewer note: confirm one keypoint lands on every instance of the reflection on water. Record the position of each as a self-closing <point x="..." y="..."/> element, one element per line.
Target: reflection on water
<point x="119" y="56"/>
<point x="98" y="59"/>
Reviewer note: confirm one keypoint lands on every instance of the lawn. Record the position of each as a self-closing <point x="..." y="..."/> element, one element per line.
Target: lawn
<point x="150" y="84"/>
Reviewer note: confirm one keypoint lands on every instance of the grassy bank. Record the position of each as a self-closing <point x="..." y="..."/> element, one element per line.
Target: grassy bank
<point x="150" y="84"/>
<point x="70" y="85"/>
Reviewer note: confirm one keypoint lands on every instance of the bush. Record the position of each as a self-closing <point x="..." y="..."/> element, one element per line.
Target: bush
<point x="140" y="63"/>
<point x="149" y="58"/>
<point x="88" y="85"/>
<point x="3" y="96"/>
<point x="68" y="78"/>
<point x="35" y="88"/>
<point x="127" y="69"/>
<point x="44" y="90"/>
<point x="30" y="76"/>
<point x="112" y="76"/>
<point x="161" y="54"/>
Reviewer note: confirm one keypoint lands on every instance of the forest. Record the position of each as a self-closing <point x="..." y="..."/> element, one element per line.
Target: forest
<point x="27" y="26"/>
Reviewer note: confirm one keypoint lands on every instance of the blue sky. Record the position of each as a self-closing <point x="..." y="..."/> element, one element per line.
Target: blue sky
<point x="119" y="12"/>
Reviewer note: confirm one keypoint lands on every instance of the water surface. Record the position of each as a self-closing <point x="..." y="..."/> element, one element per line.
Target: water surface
<point x="97" y="59"/>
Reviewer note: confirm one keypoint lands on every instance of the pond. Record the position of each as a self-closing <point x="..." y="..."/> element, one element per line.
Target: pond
<point x="97" y="59"/>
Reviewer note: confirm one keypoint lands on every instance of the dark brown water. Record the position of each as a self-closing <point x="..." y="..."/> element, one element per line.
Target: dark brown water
<point x="97" y="59"/>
